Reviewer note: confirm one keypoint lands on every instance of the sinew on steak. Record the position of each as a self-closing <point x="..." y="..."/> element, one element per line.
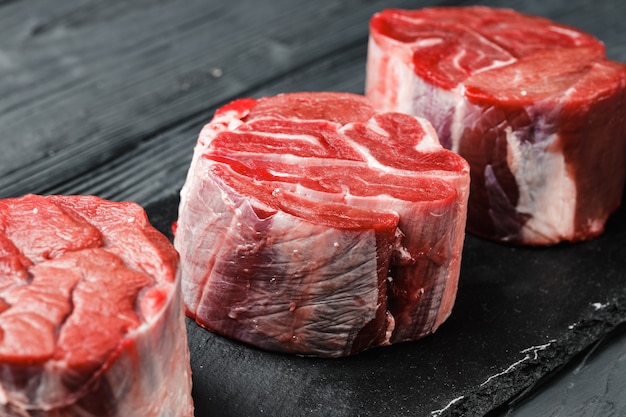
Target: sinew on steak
<point x="534" y="106"/>
<point x="309" y="224"/>
<point x="91" y="318"/>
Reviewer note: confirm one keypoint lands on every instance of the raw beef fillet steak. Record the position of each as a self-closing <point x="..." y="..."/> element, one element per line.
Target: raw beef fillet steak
<point x="91" y="316"/>
<point x="309" y="224"/>
<point x="533" y="106"/>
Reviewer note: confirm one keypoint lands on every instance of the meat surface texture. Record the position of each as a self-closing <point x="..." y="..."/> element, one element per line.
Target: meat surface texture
<point x="91" y="315"/>
<point x="309" y="224"/>
<point x="534" y="106"/>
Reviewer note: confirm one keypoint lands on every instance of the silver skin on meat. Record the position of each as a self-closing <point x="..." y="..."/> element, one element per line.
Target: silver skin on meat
<point x="309" y="224"/>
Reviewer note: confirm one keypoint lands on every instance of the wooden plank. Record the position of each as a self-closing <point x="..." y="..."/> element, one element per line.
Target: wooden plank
<point x="84" y="82"/>
<point x="157" y="168"/>
<point x="134" y="142"/>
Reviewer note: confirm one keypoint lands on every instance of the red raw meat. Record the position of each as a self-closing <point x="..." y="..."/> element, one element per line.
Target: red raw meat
<point x="534" y="107"/>
<point x="310" y="224"/>
<point x="91" y="318"/>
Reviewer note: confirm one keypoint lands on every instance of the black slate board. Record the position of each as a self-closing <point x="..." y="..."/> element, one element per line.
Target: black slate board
<point x="591" y="385"/>
<point x="520" y="314"/>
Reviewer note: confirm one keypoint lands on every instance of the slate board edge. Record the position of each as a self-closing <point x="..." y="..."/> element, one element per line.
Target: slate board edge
<point x="520" y="380"/>
<point x="592" y="379"/>
<point x="510" y="383"/>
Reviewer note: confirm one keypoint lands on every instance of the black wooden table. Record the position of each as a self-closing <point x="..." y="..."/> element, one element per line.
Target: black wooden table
<point x="107" y="98"/>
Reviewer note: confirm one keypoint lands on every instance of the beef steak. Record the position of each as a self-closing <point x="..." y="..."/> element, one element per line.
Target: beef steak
<point x="91" y="318"/>
<point x="310" y="224"/>
<point x="534" y="107"/>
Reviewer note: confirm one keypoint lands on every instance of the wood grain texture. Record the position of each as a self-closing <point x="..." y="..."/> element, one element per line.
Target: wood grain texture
<point x="157" y="167"/>
<point x="86" y="82"/>
<point x="95" y="92"/>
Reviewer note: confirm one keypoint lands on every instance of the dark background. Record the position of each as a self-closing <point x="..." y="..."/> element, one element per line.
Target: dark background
<point x="107" y="98"/>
